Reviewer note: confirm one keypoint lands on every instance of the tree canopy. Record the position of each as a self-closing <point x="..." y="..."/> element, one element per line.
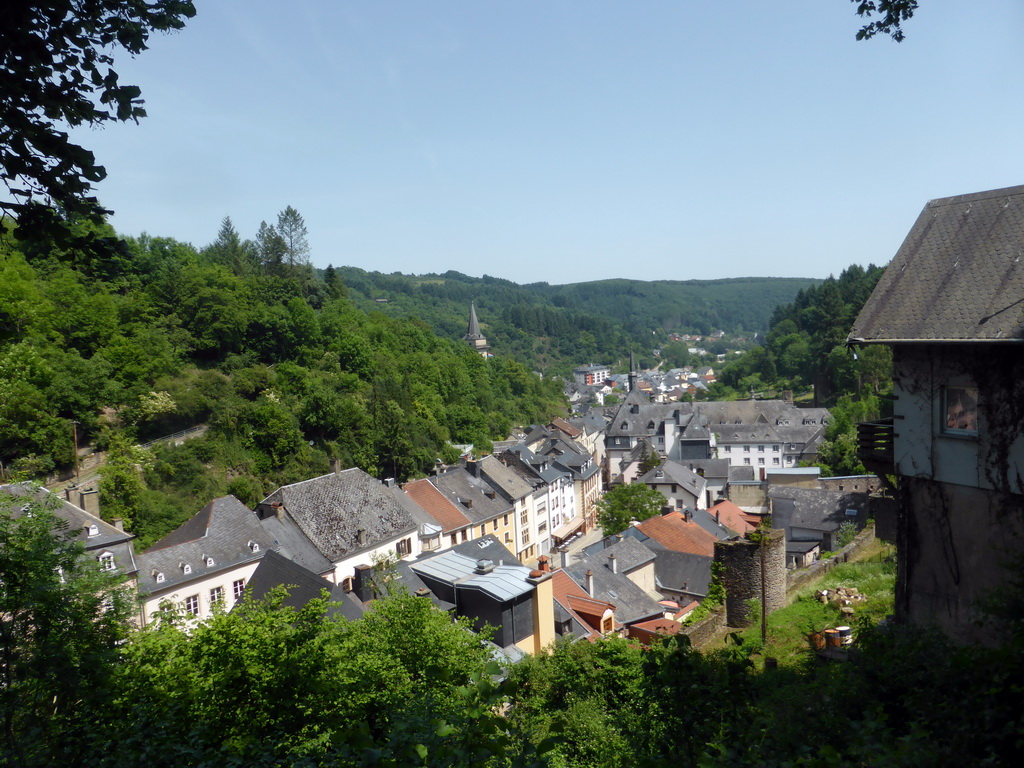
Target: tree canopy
<point x="56" y="70"/>
<point x="625" y="503"/>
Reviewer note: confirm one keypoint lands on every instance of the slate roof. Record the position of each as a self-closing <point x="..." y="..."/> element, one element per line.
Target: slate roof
<point x="303" y="586"/>
<point x="293" y="544"/>
<point x="504" y="479"/>
<point x="332" y="509"/>
<point x="682" y="571"/>
<point x="631" y="603"/>
<point x="224" y="531"/>
<point x="669" y="472"/>
<point x="816" y="509"/>
<point x="714" y="469"/>
<point x="957" y="277"/>
<point x="574" y="602"/>
<point x="629" y="554"/>
<point x="460" y="487"/>
<point x="108" y="538"/>
<point x="437" y="505"/>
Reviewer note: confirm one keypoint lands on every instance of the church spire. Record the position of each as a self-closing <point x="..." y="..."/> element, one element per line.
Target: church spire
<point x="473" y="337"/>
<point x="632" y="370"/>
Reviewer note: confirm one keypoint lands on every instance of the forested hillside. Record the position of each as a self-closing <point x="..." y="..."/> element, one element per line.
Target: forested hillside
<point x="553" y="328"/>
<point x="146" y="336"/>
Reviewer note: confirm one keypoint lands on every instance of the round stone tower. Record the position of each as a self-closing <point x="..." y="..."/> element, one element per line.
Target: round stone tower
<point x="742" y="559"/>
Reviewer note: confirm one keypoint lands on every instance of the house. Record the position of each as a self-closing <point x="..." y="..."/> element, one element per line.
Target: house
<point x="451" y="522"/>
<point x="489" y="511"/>
<point x="106" y="543"/>
<point x="486" y="584"/>
<point x="577" y="614"/>
<point x="349" y="517"/>
<point x="681" y="486"/>
<point x="204" y="564"/>
<point x="816" y="516"/>
<point x="591" y="375"/>
<point x="951" y="307"/>
<point x="632" y="604"/>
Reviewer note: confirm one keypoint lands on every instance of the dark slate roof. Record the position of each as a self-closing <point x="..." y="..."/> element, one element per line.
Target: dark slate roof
<point x="504" y="479"/>
<point x="631" y="603"/>
<point x="332" y="509"/>
<point x="462" y="489"/>
<point x="682" y="571"/>
<point x="815" y="509"/>
<point x="108" y="538"/>
<point x="714" y="469"/>
<point x="225" y="530"/>
<point x="957" y="277"/>
<point x="303" y="586"/>
<point x="291" y="542"/>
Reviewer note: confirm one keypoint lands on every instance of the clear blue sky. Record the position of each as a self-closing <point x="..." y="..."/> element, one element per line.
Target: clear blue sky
<point x="569" y="141"/>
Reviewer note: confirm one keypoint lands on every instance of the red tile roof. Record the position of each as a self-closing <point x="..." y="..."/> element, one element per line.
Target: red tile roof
<point x="673" y="532"/>
<point x="436" y="505"/>
<point x="733" y="517"/>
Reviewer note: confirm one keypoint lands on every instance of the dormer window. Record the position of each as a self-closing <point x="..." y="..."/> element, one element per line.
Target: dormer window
<point x="107" y="561"/>
<point x="94" y="530"/>
<point x="185" y="567"/>
<point x="160" y="578"/>
<point x="254" y="546"/>
<point x="209" y="562"/>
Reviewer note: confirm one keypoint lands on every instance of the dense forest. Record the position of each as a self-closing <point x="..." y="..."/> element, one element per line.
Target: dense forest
<point x="137" y="338"/>
<point x="553" y="328"/>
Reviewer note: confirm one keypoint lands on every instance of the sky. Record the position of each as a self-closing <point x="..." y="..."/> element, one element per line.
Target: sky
<point x="568" y="141"/>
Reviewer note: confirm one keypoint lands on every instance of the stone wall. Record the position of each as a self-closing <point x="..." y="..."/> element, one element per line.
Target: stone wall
<point x="742" y="577"/>
<point x="748" y="494"/>
<point x="707" y="629"/>
<point x="799" y="578"/>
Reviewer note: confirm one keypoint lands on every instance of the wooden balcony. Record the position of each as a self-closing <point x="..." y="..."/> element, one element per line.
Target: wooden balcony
<point x="875" y="446"/>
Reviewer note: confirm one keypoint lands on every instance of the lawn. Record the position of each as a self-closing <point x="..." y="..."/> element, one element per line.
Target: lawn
<point x="873" y="574"/>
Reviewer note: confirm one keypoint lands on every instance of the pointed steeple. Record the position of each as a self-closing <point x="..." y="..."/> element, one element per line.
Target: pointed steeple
<point x="473" y="337"/>
<point x="632" y="370"/>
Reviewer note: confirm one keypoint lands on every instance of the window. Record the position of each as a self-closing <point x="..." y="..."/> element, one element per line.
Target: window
<point x="209" y="562"/>
<point x="186" y="568"/>
<point x="960" y="409"/>
<point x="505" y="520"/>
<point x="760" y="449"/>
<point x="760" y="461"/>
<point x="494" y="524"/>
<point x="727" y="449"/>
<point x="483" y="529"/>
<point x="526" y="538"/>
<point x="465" y="535"/>
<point x="348" y="584"/>
<point x="524" y="518"/>
<point x="775" y="461"/>
<point x="192" y="605"/>
<point x="94" y="530"/>
<point x="606" y="625"/>
<point x="404" y="547"/>
<point x="775" y="449"/>
<point x="159" y="577"/>
<point x="746" y="449"/>
<point x="216" y="595"/>
<point x="455" y="539"/>
<point x="508" y="537"/>
<point x="107" y="562"/>
<point x="746" y="461"/>
<point x="238" y="588"/>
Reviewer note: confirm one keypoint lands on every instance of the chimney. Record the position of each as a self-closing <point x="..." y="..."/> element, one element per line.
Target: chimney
<point x="483" y="566"/>
<point x="718" y="517"/>
<point x="361" y="537"/>
<point x="618" y="538"/>
<point x="544" y="563"/>
<point x="590" y="583"/>
<point x="118" y="523"/>
<point x="278" y="508"/>
<point x="389" y="482"/>
<point x="613" y="564"/>
<point x="473" y="467"/>
<point x="89" y="500"/>
<point x="335" y="466"/>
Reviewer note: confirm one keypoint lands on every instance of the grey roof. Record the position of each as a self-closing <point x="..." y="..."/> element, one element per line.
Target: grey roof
<point x="291" y="542"/>
<point x="629" y="553"/>
<point x="669" y="472"/>
<point x="714" y="469"/>
<point x="507" y="580"/>
<point x="303" y="586"/>
<point x="225" y="532"/>
<point x="504" y="479"/>
<point x="473" y="332"/>
<point x="682" y="571"/>
<point x="107" y="539"/>
<point x="815" y="509"/>
<point x="470" y="494"/>
<point x="706" y="521"/>
<point x="332" y="510"/>
<point x="957" y="277"/>
<point x="631" y="603"/>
